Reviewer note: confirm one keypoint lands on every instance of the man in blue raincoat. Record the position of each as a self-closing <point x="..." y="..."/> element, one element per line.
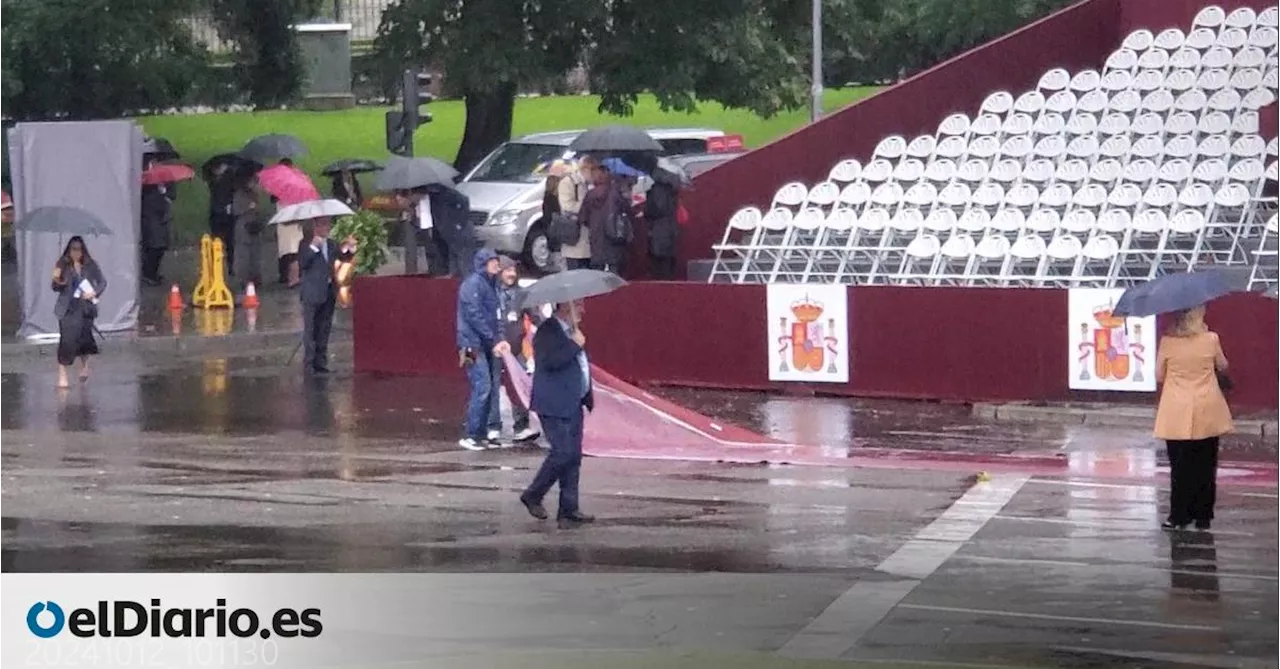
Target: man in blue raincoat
<point x="480" y="347"/>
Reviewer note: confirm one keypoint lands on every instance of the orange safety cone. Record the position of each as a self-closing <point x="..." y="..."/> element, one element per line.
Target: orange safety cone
<point x="175" y="322"/>
<point x="250" y="297"/>
<point x="251" y="320"/>
<point x="175" y="299"/>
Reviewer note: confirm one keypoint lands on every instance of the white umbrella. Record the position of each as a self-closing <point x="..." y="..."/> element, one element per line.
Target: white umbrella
<point x="310" y="209"/>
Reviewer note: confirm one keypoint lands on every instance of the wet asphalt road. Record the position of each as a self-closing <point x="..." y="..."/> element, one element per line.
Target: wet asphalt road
<point x="237" y="464"/>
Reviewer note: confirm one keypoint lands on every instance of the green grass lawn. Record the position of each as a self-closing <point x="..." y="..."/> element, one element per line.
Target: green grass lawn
<point x="358" y="133"/>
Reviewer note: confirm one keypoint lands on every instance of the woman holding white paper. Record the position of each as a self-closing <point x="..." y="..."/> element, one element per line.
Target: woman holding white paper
<point x="79" y="282"/>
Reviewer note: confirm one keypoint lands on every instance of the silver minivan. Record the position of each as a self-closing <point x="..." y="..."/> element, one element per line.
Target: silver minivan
<point x="506" y="193"/>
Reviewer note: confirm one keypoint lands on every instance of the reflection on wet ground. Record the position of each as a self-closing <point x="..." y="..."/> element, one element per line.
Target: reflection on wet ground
<point x="241" y="464"/>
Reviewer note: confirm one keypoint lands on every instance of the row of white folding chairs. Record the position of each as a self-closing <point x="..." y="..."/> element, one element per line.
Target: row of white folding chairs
<point x="1107" y="170"/>
<point x="1176" y="79"/>
<point x="1215" y="17"/>
<point x="1090" y="146"/>
<point x="1132" y="101"/>
<point x="1265" y="270"/>
<point x="1072" y="123"/>
<point x="1201" y="37"/>
<point x="1252" y="51"/>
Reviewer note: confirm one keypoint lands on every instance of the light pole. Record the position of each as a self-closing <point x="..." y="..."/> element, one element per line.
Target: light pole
<point x="815" y="91"/>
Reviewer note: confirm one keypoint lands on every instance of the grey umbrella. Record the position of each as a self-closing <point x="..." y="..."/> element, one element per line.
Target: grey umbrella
<point x="671" y="173"/>
<point x="1176" y="292"/>
<point x="574" y="284"/>
<point x="63" y="221"/>
<point x="1273" y="292"/>
<point x="614" y="138"/>
<point x="406" y="173"/>
<point x="160" y="148"/>
<point x="273" y="147"/>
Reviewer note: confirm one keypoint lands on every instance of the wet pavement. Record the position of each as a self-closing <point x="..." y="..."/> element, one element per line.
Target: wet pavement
<point x="238" y="463"/>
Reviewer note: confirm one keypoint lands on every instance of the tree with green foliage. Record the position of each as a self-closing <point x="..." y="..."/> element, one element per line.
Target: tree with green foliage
<point x="89" y="59"/>
<point x="732" y="51"/>
<point x="268" y="66"/>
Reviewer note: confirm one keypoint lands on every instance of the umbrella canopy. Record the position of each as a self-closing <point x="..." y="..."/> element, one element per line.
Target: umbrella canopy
<point x="167" y="173"/>
<point x="671" y="173"/>
<point x="273" y="147"/>
<point x="288" y="184"/>
<point x="1176" y="292"/>
<point x="231" y="161"/>
<point x="574" y="284"/>
<point x="160" y="149"/>
<point x="613" y="138"/>
<point x="1273" y="292"/>
<point x="407" y="173"/>
<point x="63" y="221"/>
<point x="355" y="165"/>
<point x="617" y="167"/>
<point x="310" y="209"/>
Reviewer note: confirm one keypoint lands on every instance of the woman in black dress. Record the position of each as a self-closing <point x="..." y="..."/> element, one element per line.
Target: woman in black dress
<point x="79" y="282"/>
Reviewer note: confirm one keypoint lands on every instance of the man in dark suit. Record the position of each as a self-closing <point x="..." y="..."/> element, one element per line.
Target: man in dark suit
<point x="561" y="389"/>
<point x="319" y="291"/>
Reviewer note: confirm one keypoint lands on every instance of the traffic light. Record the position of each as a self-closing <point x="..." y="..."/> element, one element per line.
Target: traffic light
<point x="415" y="91"/>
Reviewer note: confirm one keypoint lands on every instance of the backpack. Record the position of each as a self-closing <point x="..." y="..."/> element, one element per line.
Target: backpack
<point x="618" y="228"/>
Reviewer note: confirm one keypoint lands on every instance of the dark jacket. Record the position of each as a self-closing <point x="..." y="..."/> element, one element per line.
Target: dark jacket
<point x="318" y="285"/>
<point x="478" y="306"/>
<point x="451" y="218"/>
<point x="557" y="374"/>
<point x="512" y="318"/>
<point x="71" y="280"/>
<point x="599" y="204"/>
<point x="157" y="214"/>
<point x="353" y="198"/>
<point x="660" y="213"/>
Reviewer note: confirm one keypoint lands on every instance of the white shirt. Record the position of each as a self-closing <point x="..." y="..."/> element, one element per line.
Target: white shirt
<point x="425" y="222"/>
<point x="583" y="364"/>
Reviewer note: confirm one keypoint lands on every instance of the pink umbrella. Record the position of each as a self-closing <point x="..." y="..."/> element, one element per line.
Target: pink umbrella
<point x="288" y="184"/>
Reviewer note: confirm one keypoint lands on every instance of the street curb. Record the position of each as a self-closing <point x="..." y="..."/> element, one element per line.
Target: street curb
<point x="1108" y="415"/>
<point x="236" y="342"/>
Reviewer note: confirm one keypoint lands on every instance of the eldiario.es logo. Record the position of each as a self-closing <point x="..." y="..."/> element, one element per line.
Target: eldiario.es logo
<point x="124" y="618"/>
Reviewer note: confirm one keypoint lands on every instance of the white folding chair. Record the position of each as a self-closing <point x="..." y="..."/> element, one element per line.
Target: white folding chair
<point x="1176" y="172"/>
<point x="1139" y="40"/>
<point x="1125" y="102"/>
<point x="1058" y="265"/>
<point x="921" y="196"/>
<point x="1083" y="123"/>
<point x="767" y="247"/>
<point x="986" y="265"/>
<point x="1078" y="223"/>
<point x="1094" y="102"/>
<point x="1226" y="100"/>
<point x="1200" y="39"/>
<point x="890" y="148"/>
<point x="1159" y="101"/>
<point x="989" y="196"/>
<point x="887" y="195"/>
<point x="1243" y="18"/>
<point x="1062" y="102"/>
<point x="1210" y="172"/>
<point x="1186" y="58"/>
<point x="790" y="196"/>
<point x="922" y="147"/>
<point x="918" y="260"/>
<point x="1097" y="257"/>
<point x="1122" y="60"/>
<point x="1159" y="196"/>
<point x="1031" y="102"/>
<point x="1263" y="37"/>
<point x="1181" y="248"/>
<point x="1248" y="173"/>
<point x="1051" y="147"/>
<point x="955" y="124"/>
<point x="1022" y="266"/>
<point x="1179" y="147"/>
<point x="1113" y="124"/>
<point x="864" y="250"/>
<point x="1214" y="123"/>
<point x="1017" y="147"/>
<point x="877" y="171"/>
<point x="795" y="256"/>
<point x="1038" y="171"/>
<point x="823" y="195"/>
<point x="1233" y="38"/>
<point x="1113" y="222"/>
<point x="1245" y="80"/>
<point x="1124" y="197"/>
<point x="1210" y="17"/>
<point x="1170" y="39"/>
<point x="998" y="103"/>
<point x="951" y="147"/>
<point x="1017" y="124"/>
<point x="1154" y="59"/>
<point x="1137" y="258"/>
<point x="903" y="228"/>
<point x="940" y="222"/>
<point x="1106" y="172"/>
<point x="856" y="195"/>
<point x="1228" y="220"/>
<point x="984" y="148"/>
<point x="1049" y="123"/>
<point x="1181" y="123"/>
<point x="1180" y="81"/>
<point x="1245" y="123"/>
<point x="1257" y="99"/>
<point x="1268" y="17"/>
<point x="732" y="251"/>
<point x="1193" y="101"/>
<point x="955" y="196"/>
<point x="940" y="172"/>
<point x="1213" y="146"/>
<point x="1043" y="223"/>
<point x="1140" y="171"/>
<point x="845" y="171"/>
<point x="833" y="239"/>
<point x="1149" y="147"/>
<point x="1265" y="270"/>
<point x="974" y="221"/>
<point x="1056" y="197"/>
<point x="1213" y="80"/>
<point x="1248" y="147"/>
<point x="985" y="124"/>
<point x="1090" y="197"/>
<point x="1148" y="123"/>
<point x="973" y="171"/>
<point x="953" y="260"/>
<point x="1022" y="197"/>
<point x="1249" y="57"/>
<point x="1147" y="81"/>
<point x="908" y="171"/>
<point x="1084" y="147"/>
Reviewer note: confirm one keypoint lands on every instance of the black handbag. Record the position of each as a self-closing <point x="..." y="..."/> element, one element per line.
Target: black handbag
<point x="565" y="229"/>
<point x="1224" y="381"/>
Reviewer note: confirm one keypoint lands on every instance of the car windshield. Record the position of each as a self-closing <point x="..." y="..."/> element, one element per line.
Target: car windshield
<point x="516" y="161"/>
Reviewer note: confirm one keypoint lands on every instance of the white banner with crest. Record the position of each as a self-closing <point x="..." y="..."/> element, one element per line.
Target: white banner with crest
<point x="1106" y="352"/>
<point x="808" y="333"/>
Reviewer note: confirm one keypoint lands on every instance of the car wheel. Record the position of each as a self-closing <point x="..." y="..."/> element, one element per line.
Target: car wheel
<point x="537" y="250"/>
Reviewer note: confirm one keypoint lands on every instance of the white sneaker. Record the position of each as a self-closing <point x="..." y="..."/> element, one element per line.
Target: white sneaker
<point x="495" y="435"/>
<point x="471" y="444"/>
<point x="527" y="434"/>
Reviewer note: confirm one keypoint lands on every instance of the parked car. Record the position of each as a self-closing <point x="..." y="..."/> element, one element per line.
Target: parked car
<point x="506" y="193"/>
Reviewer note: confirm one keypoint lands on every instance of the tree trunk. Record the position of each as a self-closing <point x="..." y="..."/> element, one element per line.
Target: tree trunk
<point x="489" y="116"/>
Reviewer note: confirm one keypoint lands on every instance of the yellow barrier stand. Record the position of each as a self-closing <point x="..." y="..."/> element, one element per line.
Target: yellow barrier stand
<point x="201" y="291"/>
<point x="218" y="295"/>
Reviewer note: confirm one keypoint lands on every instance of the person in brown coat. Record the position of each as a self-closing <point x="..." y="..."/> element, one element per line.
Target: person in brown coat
<point x="1191" y="417"/>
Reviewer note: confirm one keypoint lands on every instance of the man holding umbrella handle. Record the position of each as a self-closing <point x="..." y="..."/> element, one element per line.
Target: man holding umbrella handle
<point x="319" y="291"/>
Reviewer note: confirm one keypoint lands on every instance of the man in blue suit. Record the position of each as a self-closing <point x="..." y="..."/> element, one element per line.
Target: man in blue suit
<point x="319" y="291"/>
<point x="561" y="389"/>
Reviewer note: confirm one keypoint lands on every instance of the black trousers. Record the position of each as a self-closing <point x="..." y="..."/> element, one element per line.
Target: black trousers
<point x="577" y="263"/>
<point x="1193" y="474"/>
<point x="563" y="464"/>
<point x="227" y="233"/>
<point x="151" y="263"/>
<point x="317" y="322"/>
<point x="663" y="268"/>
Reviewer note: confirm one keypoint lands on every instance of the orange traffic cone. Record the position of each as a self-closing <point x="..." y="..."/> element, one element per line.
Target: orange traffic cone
<point x="175" y="322"/>
<point x="175" y="299"/>
<point x="250" y="297"/>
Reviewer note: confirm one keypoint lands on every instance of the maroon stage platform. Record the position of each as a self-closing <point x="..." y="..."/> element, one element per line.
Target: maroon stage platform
<point x="953" y="344"/>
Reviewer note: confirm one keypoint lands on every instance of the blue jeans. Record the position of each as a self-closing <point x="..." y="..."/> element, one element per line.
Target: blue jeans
<point x="484" y="375"/>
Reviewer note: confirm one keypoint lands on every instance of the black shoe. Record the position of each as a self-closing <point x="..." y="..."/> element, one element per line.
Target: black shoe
<point x="535" y="508"/>
<point x="321" y="370"/>
<point x="575" y="519"/>
<point x="1170" y="525"/>
<point x="1202" y="524"/>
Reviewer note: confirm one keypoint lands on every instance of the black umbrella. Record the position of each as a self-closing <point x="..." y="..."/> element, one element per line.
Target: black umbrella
<point x="63" y="221"/>
<point x="407" y="173"/>
<point x="231" y="161"/>
<point x="160" y="149"/>
<point x="614" y="138"/>
<point x="273" y="147"/>
<point x="1176" y="292"/>
<point x="570" y="285"/>
<point x="353" y="165"/>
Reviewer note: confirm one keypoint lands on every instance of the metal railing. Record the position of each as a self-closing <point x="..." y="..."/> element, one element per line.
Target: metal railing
<point x="363" y="15"/>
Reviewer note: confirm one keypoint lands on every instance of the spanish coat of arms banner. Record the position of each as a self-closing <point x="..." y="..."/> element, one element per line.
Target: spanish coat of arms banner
<point x="808" y="333"/>
<point x="1107" y="352"/>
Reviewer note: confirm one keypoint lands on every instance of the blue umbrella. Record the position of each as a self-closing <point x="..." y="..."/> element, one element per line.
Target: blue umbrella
<point x="1177" y="292"/>
<point x="619" y="168"/>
